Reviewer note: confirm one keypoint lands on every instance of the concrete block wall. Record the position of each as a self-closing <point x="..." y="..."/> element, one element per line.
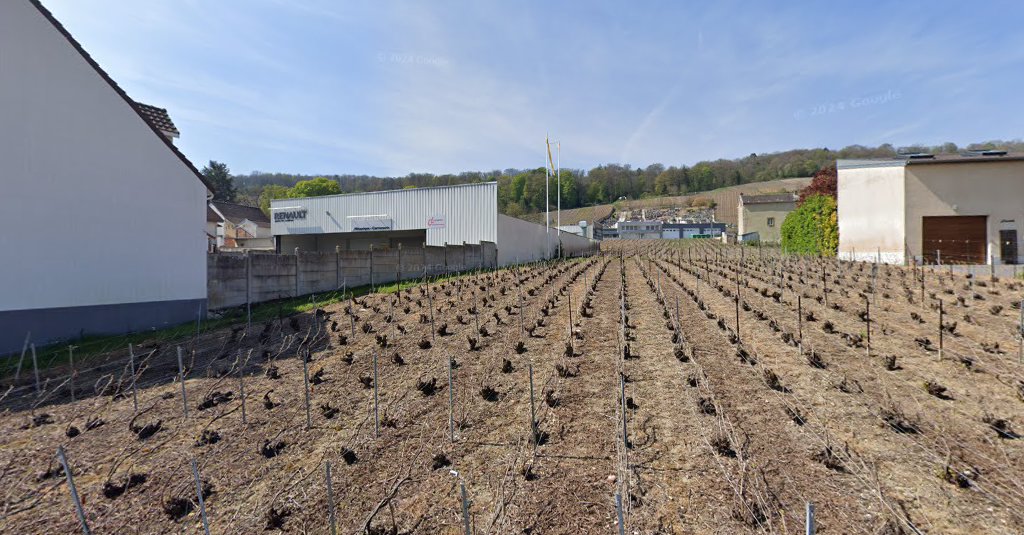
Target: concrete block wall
<point x="226" y="282"/>
<point x="456" y="257"/>
<point x="435" y="258"/>
<point x="355" y="268"/>
<point x="412" y="262"/>
<point x="490" y="252"/>
<point x="318" y="272"/>
<point x="271" y="276"/>
<point x="385" y="266"/>
<point x="474" y="256"/>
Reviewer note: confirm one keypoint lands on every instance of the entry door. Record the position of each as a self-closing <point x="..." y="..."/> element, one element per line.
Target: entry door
<point x="1008" y="245"/>
<point x="954" y="239"/>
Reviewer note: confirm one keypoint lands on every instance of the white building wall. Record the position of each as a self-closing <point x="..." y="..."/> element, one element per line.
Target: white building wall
<point x="993" y="189"/>
<point x="469" y="212"/>
<point x="521" y="241"/>
<point x="871" y="205"/>
<point x="96" y="209"/>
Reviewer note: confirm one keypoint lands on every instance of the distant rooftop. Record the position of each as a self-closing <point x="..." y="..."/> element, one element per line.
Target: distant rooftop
<point x="766" y="199"/>
<point x="924" y="159"/>
<point x="236" y="213"/>
<point x="159" y="118"/>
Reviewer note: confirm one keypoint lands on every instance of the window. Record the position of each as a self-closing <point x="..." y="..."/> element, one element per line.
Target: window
<point x="771" y="221"/>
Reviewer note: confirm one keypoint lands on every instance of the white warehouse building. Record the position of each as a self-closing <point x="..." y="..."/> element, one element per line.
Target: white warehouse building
<point x="103" y="216"/>
<point x="438" y="216"/>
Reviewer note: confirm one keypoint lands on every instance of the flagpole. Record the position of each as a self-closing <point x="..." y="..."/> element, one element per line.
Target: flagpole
<point x="558" y="173"/>
<point x="547" y="202"/>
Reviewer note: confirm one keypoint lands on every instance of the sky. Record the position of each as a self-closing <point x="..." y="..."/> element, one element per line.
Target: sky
<point x="389" y="88"/>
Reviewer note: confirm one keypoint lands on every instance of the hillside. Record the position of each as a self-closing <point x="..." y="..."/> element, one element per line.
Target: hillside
<point x="573" y="215"/>
<point x="522" y="191"/>
<point x="726" y="201"/>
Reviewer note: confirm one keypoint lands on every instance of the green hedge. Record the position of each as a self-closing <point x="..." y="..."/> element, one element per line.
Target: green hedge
<point x="813" y="228"/>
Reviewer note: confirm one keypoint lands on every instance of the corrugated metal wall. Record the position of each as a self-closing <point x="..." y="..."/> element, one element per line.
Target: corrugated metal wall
<point x="470" y="212"/>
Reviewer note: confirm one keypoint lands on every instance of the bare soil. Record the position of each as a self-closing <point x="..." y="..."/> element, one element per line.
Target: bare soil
<point x="698" y="423"/>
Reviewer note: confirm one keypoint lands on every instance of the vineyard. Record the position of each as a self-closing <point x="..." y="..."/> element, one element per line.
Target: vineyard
<point x="659" y="387"/>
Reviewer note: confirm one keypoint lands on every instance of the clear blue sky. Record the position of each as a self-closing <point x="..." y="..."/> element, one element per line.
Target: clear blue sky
<point x="389" y="88"/>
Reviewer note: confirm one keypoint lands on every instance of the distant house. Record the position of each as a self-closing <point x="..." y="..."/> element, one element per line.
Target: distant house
<point x="644" y="229"/>
<point x="237" y="227"/>
<point x="103" y="216"/>
<point x="948" y="208"/>
<point x="761" y="216"/>
<point x="580" y="229"/>
<point x="676" y="231"/>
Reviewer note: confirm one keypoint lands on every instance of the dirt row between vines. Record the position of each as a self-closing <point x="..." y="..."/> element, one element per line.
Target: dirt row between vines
<point x="698" y="426"/>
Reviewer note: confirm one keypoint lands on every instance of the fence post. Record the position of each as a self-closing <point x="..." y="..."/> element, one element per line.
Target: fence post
<point x="371" y="267"/>
<point x="824" y="283"/>
<point x="352" y="315"/>
<point x="433" y="332"/>
<point x="398" y="270"/>
<point x="135" y="395"/>
<point x="874" y="283"/>
<point x="296" y="272"/>
<point x="181" y="377"/>
<point x="618" y="513"/>
<point x="199" y="494"/>
<point x="941" y="315"/>
<point x="622" y="396"/>
<point x="376" y="414"/>
<point x="737" y="307"/>
<point x="800" y="322"/>
<point x="451" y="402"/>
<point x="241" y="386"/>
<point x="1020" y="330"/>
<point x="810" y="519"/>
<point x="35" y="366"/>
<point x="248" y="291"/>
<point x="922" y="286"/>
<point x="305" y="382"/>
<point x="533" y="412"/>
<point x="867" y="314"/>
<point x="337" y="268"/>
<point x="330" y="501"/>
<point x="465" y="508"/>
<point x="24" y="348"/>
<point x="74" y="491"/>
<point x="71" y="374"/>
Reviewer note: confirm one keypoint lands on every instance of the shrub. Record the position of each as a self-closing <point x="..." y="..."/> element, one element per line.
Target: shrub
<point x="813" y="228"/>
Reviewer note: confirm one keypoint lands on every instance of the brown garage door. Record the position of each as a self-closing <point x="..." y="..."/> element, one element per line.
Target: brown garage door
<point x="955" y="239"/>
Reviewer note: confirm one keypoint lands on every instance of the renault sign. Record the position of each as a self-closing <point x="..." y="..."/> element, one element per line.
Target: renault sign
<point x="291" y="213"/>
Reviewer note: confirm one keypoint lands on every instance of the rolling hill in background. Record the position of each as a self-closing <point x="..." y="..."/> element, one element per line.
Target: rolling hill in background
<point x="726" y="202"/>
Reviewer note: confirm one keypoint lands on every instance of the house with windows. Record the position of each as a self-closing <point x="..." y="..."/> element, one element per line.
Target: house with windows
<point x="963" y="208"/>
<point x="643" y="229"/>
<point x="239" y="228"/>
<point x="761" y="216"/>
<point x="104" y="214"/>
<point x="677" y="231"/>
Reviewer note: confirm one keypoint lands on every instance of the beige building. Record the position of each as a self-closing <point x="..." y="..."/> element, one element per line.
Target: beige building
<point x="237" y="227"/>
<point x="956" y="208"/>
<point x="761" y="216"/>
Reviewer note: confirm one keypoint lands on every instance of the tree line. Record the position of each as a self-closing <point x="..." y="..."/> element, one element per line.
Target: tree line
<point x="522" y="191"/>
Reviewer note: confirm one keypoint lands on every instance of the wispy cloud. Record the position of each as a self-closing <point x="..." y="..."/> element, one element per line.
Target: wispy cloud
<point x="302" y="86"/>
